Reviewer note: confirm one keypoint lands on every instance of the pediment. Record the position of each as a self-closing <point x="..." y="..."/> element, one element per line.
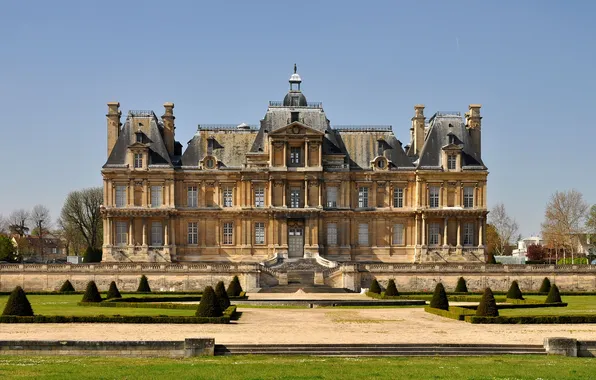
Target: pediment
<point x="296" y="129"/>
<point x="452" y="147"/>
<point x="137" y="145"/>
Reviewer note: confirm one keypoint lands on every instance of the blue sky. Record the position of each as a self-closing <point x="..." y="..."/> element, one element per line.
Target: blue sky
<point x="529" y="63"/>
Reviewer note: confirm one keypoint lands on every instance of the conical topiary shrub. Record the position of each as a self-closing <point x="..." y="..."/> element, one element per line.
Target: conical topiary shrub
<point x="222" y="296"/>
<point x="18" y="304"/>
<point x="439" y="300"/>
<point x="113" y="292"/>
<point x="553" y="295"/>
<point x="144" y="285"/>
<point x="545" y="286"/>
<point x="209" y="306"/>
<point x="391" y="290"/>
<point x="67" y="287"/>
<point x="461" y="286"/>
<point x="488" y="305"/>
<point x="514" y="292"/>
<point x="91" y="293"/>
<point x="234" y="289"/>
<point x="375" y="287"/>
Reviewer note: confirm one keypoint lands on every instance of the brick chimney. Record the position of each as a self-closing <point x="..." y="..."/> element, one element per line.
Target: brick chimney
<point x="473" y="125"/>
<point x="418" y="123"/>
<point x="113" y="119"/>
<point x="169" y="129"/>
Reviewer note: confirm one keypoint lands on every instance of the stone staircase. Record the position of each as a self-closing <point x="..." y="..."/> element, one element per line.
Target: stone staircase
<point x="300" y="276"/>
<point x="380" y="349"/>
<point x="306" y="288"/>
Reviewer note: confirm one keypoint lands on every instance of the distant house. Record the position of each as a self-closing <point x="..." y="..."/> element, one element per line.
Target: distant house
<point x="30" y="248"/>
<point x="585" y="245"/>
<point x="522" y="245"/>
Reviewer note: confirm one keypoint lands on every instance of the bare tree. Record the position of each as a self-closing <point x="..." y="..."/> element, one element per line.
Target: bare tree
<point x="81" y="213"/>
<point x="504" y="225"/>
<point x="3" y="225"/>
<point x="17" y="222"/>
<point x="564" y="220"/>
<point x="40" y="217"/>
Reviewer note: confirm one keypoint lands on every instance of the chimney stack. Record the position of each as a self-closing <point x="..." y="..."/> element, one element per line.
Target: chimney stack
<point x="169" y="129"/>
<point x="473" y="125"/>
<point x="113" y="119"/>
<point x="418" y="124"/>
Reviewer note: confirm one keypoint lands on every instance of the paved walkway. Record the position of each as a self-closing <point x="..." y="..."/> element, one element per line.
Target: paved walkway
<point x="319" y="325"/>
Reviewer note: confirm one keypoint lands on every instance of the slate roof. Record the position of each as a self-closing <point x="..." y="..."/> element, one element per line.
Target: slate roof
<point x="229" y="147"/>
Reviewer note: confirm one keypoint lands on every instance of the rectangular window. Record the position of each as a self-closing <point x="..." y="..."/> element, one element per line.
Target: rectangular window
<point x="156" y="198"/>
<point x="259" y="233"/>
<point x="433" y="233"/>
<point x="120" y="196"/>
<point x="228" y="233"/>
<point x="294" y="197"/>
<point x="331" y="233"/>
<point x="121" y="233"/>
<point x="156" y="234"/>
<point x="468" y="197"/>
<point x="468" y="233"/>
<point x="398" y="234"/>
<point x="451" y="162"/>
<point x="332" y="196"/>
<point x="398" y="197"/>
<point x="193" y="233"/>
<point x="192" y="196"/>
<point x="138" y="160"/>
<point x="228" y="192"/>
<point x="363" y="234"/>
<point x="259" y="196"/>
<point x="295" y="155"/>
<point x="433" y="195"/>
<point x="362" y="197"/>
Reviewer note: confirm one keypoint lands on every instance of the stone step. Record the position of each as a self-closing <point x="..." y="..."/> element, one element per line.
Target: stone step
<point x="293" y="288"/>
<point x="385" y="353"/>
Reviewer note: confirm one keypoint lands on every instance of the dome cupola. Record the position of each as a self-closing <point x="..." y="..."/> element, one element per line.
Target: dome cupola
<point x="295" y="97"/>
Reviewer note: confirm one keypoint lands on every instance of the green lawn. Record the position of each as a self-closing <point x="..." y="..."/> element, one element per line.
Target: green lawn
<point x="67" y="305"/>
<point x="576" y="305"/>
<point x="280" y="367"/>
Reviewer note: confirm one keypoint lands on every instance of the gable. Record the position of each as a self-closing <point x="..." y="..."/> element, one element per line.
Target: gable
<point x="296" y="129"/>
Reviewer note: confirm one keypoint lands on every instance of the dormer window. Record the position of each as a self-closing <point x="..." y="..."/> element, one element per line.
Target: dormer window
<point x="295" y="155"/>
<point x="451" y="162"/>
<point x="381" y="164"/>
<point x="139" y="137"/>
<point x="138" y="160"/>
<point x="295" y="116"/>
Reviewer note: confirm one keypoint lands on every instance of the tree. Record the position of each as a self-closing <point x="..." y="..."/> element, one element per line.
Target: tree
<point x="439" y="300"/>
<point x="17" y="222"/>
<point x="209" y="305"/>
<point x="234" y="288"/>
<point x="461" y="286"/>
<point x="40" y="217"/>
<point x="504" y="226"/>
<point x="488" y="305"/>
<point x="545" y="286"/>
<point x="81" y="214"/>
<point x="18" y="304"/>
<point x="144" y="285"/>
<point x="91" y="293"/>
<point x="3" y="225"/>
<point x="7" y="250"/>
<point x="553" y="295"/>
<point x="535" y="252"/>
<point x="564" y="220"/>
<point x="222" y="295"/>
<point x="67" y="287"/>
<point x="391" y="290"/>
<point x="514" y="292"/>
<point x="492" y="239"/>
<point x="73" y="240"/>
<point x="375" y="287"/>
<point x="113" y="291"/>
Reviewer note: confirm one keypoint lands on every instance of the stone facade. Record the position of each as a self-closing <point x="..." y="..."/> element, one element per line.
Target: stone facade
<point x="294" y="186"/>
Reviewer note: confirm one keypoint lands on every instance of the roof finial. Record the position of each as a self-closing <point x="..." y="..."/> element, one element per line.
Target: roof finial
<point x="295" y="68"/>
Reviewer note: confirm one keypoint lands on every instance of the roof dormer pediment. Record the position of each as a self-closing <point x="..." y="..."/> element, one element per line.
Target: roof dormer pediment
<point x="296" y="129"/>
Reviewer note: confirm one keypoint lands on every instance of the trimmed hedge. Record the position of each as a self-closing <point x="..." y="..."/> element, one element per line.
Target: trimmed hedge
<point x="439" y="300"/>
<point x="375" y="287"/>
<point x="545" y="286"/>
<point x="18" y="304"/>
<point x="141" y="305"/>
<point x="112" y="319"/>
<point x="91" y="293"/>
<point x="67" y="287"/>
<point x="113" y="292"/>
<point x="391" y="290"/>
<point x="209" y="306"/>
<point x="461" y="286"/>
<point x="454" y="312"/>
<point x="553" y="295"/>
<point x="536" y="319"/>
<point x="428" y="297"/>
<point x="514" y="292"/>
<point x="234" y="289"/>
<point x="156" y="299"/>
<point x="144" y="285"/>
<point x="222" y="295"/>
<point x="488" y="305"/>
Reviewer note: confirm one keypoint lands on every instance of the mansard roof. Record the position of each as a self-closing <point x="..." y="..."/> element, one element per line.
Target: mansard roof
<point x="158" y="154"/>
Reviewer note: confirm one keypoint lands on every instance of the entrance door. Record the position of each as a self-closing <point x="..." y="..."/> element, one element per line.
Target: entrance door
<point x="295" y="242"/>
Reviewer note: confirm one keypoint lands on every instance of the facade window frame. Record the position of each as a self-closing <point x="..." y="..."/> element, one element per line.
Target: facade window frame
<point x="228" y="233"/>
<point x="332" y="234"/>
<point x="434" y="233"/>
<point x="156" y="196"/>
<point x="259" y="194"/>
<point x="156" y="234"/>
<point x="398" y="197"/>
<point x="363" y="234"/>
<point x="121" y="233"/>
<point x="138" y="160"/>
<point x="468" y="197"/>
<point x="192" y="196"/>
<point x="193" y="233"/>
<point x="295" y="155"/>
<point x="332" y="196"/>
<point x="451" y="162"/>
<point x="434" y="193"/>
<point x="363" y="197"/>
<point x="120" y="200"/>
<point x="398" y="234"/>
<point x="295" y="197"/>
<point x="468" y="238"/>
<point x="228" y="196"/>
<point x="260" y="233"/>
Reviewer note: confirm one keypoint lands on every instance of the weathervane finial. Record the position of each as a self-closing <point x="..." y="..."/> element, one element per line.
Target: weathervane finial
<point x="295" y="68"/>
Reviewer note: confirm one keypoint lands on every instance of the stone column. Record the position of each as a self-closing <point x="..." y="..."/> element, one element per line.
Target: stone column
<point x="285" y="159"/>
<point x="480" y="232"/>
<point x="417" y="231"/>
<point x="458" y="233"/>
<point x="269" y="193"/>
<point x="105" y="234"/>
<point x="163" y="195"/>
<point x="306" y="144"/>
<point x="144" y="201"/>
<point x="445" y="226"/>
<point x="216" y="198"/>
<point x="373" y="196"/>
<point x="202" y="195"/>
<point x="283" y="194"/>
<point x="166" y="235"/>
<point x="105" y="193"/>
<point x="320" y="185"/>
<point x="305" y="193"/>
<point x="144" y="232"/>
<point x="130" y="232"/>
<point x="374" y="232"/>
<point x="320" y="163"/>
<point x="423" y="230"/>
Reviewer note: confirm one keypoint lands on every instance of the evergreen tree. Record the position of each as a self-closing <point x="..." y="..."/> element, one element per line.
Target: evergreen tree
<point x="234" y="289"/>
<point x="491" y="259"/>
<point x="144" y="285"/>
<point x="488" y="305"/>
<point x="461" y="286"/>
<point x="391" y="290"/>
<point x="439" y="300"/>
<point x="18" y="304"/>
<point x="209" y="305"/>
<point x="67" y="287"/>
<point x="375" y="287"/>
<point x="553" y="295"/>
<point x="222" y="296"/>
<point x="545" y="286"/>
<point x="91" y="293"/>
<point x="113" y="292"/>
<point x="514" y="292"/>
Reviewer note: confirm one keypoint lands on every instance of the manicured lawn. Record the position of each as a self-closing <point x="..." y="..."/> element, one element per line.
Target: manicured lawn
<point x="67" y="305"/>
<point x="576" y="305"/>
<point x="280" y="367"/>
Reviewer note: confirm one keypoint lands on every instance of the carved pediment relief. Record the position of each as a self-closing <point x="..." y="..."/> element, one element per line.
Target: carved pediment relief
<point x="295" y="129"/>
